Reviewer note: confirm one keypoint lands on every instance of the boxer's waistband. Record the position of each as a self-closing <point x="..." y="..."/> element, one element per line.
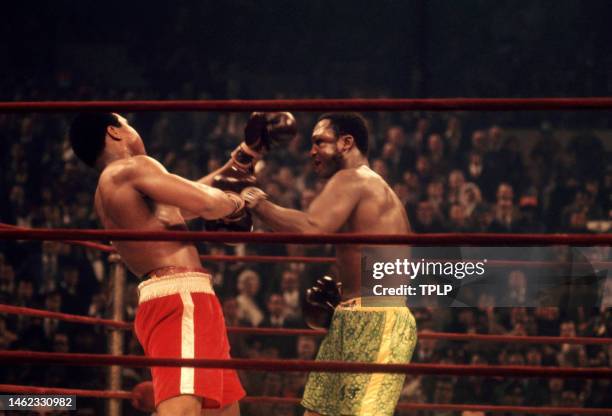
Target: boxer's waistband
<point x="173" y="270"/>
<point x="181" y="280"/>
<point x="373" y="302"/>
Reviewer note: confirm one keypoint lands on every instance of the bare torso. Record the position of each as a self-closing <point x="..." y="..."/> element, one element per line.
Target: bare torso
<point x="120" y="206"/>
<point x="378" y="211"/>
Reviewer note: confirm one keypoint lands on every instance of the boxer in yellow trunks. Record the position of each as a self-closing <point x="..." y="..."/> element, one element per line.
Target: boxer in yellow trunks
<point x="356" y="200"/>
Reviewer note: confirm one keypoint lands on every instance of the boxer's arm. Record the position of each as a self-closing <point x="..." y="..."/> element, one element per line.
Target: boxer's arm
<point x="208" y="179"/>
<point x="327" y="213"/>
<point x="205" y="180"/>
<point x="150" y="178"/>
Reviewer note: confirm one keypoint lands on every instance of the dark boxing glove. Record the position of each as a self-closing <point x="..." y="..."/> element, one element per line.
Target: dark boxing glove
<point x="240" y="219"/>
<point x="321" y="301"/>
<point x="262" y="132"/>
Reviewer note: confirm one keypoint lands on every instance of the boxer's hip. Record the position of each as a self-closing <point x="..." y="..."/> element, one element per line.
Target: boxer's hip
<point x="173" y="280"/>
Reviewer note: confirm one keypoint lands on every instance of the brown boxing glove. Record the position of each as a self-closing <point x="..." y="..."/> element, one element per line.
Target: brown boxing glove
<point x="232" y="181"/>
<point x="262" y="132"/>
<point x="321" y="301"/>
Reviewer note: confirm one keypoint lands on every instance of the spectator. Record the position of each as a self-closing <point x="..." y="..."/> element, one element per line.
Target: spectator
<point x="426" y="220"/>
<point x="413" y="187"/>
<point x="470" y="198"/>
<point x="454" y="140"/>
<point x="529" y="216"/>
<point x="291" y="294"/>
<point x="53" y="303"/>
<point x="456" y="180"/>
<point x="458" y="221"/>
<point x="423" y="169"/>
<point x="248" y="288"/>
<point x="505" y="212"/>
<point x="435" y="195"/>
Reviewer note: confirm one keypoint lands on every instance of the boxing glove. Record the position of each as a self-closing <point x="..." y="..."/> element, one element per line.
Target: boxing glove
<point x="240" y="219"/>
<point x="262" y="132"/>
<point x="321" y="301"/>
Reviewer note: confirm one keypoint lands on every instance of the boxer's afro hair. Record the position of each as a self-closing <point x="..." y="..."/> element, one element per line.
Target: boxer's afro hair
<point x="87" y="135"/>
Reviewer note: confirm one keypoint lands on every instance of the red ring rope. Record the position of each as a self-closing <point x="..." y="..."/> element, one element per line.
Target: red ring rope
<point x="19" y="310"/>
<point x="319" y="105"/>
<point x="126" y="395"/>
<point x="523" y="339"/>
<point x="31" y="357"/>
<point x="304" y="259"/>
<point x="89" y="244"/>
<point x="296" y="238"/>
<point x="266" y="259"/>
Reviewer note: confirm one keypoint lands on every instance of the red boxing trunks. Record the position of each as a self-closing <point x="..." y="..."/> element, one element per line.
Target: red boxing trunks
<point x="179" y="316"/>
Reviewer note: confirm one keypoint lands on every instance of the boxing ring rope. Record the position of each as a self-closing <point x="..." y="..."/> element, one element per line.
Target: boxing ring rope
<point x="446" y="336"/>
<point x="89" y="244"/>
<point x="206" y="257"/>
<point x="89" y="360"/>
<point x="116" y="324"/>
<point x="306" y="259"/>
<point x="317" y="105"/>
<point x="126" y="395"/>
<point x="19" y="310"/>
<point x="531" y="264"/>
<point x="442" y="239"/>
<point x="266" y="259"/>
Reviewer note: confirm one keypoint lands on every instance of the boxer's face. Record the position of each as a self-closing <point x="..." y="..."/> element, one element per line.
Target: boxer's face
<point x="325" y="154"/>
<point x="128" y="135"/>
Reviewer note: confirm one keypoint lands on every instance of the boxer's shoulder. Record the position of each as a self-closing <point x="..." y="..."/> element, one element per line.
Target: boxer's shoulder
<point x="352" y="177"/>
<point x="126" y="169"/>
<point x="347" y="175"/>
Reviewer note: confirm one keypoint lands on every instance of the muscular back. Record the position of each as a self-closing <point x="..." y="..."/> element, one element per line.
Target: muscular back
<point x="120" y="205"/>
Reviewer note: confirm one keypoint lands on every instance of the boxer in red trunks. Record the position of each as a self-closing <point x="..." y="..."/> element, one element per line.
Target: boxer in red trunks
<point x="179" y="314"/>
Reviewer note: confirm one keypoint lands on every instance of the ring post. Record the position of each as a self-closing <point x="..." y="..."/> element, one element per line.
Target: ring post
<point x="116" y="338"/>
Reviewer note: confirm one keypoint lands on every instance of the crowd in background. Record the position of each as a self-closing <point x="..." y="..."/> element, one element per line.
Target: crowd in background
<point x="453" y="172"/>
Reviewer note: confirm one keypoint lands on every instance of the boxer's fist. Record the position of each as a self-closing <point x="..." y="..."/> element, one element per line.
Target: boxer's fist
<point x="233" y="181"/>
<point x="239" y="220"/>
<point x="321" y="301"/>
<point x="265" y="130"/>
<point x="252" y="196"/>
<point x="262" y="131"/>
<point x="143" y="398"/>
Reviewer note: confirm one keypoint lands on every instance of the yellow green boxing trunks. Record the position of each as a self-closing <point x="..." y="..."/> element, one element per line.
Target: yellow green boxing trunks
<point x="365" y="334"/>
